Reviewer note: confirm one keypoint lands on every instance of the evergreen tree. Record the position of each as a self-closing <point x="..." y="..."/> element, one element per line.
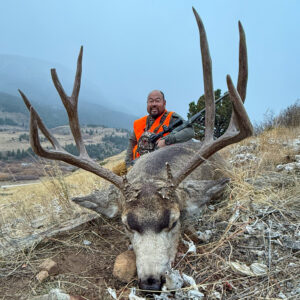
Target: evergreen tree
<point x="223" y="114"/>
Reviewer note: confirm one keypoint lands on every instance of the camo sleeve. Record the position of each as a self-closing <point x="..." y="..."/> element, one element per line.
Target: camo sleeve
<point x="181" y="136"/>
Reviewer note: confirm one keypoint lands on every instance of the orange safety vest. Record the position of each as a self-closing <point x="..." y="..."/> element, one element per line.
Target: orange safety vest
<point x="139" y="127"/>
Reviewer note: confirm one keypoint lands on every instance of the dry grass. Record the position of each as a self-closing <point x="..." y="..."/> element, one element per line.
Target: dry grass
<point x="257" y="195"/>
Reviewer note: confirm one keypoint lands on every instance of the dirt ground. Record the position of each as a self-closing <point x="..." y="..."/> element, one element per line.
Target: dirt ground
<point x="86" y="255"/>
<point x="246" y="245"/>
<point x="84" y="270"/>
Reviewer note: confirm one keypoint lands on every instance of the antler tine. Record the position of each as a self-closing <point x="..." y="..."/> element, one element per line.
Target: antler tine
<point x="240" y="126"/>
<point x="84" y="163"/>
<point x="243" y="64"/>
<point x="41" y="125"/>
<point x="242" y="78"/>
<point x="70" y="103"/>
<point x="208" y="81"/>
<point x="58" y="153"/>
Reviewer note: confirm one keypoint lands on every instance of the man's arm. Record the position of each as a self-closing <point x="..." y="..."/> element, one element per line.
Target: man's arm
<point x="129" y="153"/>
<point x="180" y="136"/>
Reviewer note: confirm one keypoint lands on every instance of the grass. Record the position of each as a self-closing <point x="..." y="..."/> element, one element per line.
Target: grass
<point x="257" y="194"/>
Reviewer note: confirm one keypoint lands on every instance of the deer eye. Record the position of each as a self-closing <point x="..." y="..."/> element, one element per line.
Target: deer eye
<point x="174" y="224"/>
<point x="133" y="224"/>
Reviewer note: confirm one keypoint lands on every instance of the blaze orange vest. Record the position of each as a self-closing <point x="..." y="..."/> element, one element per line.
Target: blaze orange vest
<point x="139" y="127"/>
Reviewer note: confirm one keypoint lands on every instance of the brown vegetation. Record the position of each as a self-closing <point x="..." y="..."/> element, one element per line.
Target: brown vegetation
<point x="255" y="222"/>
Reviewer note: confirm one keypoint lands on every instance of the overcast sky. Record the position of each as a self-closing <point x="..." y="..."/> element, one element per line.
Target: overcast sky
<point x="134" y="46"/>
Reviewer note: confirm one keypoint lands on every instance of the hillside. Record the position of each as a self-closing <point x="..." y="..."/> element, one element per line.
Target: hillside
<point x="17" y="161"/>
<point x="32" y="76"/>
<point x="14" y="111"/>
<point x="244" y="246"/>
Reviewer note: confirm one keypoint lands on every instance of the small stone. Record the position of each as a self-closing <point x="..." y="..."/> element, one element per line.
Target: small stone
<point x="57" y="294"/>
<point x="194" y="294"/>
<point x="281" y="295"/>
<point x="280" y="167"/>
<point x="174" y="280"/>
<point x="41" y="276"/>
<point x="50" y="266"/>
<point x="125" y="266"/>
<point x="87" y="243"/>
<point x="259" y="269"/>
<point x="204" y="236"/>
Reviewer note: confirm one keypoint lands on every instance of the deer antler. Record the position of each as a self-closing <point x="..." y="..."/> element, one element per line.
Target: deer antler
<point x="58" y="153"/>
<point x="240" y="126"/>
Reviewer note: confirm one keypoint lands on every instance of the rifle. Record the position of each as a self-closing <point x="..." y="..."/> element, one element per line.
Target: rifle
<point x="180" y="124"/>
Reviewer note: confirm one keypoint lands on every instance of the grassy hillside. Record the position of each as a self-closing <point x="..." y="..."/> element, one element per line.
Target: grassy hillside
<point x="254" y="224"/>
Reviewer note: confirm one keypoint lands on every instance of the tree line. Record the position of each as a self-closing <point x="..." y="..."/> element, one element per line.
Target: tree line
<point x="111" y="145"/>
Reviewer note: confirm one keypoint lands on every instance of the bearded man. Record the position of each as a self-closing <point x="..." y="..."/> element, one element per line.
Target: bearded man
<point x="153" y="123"/>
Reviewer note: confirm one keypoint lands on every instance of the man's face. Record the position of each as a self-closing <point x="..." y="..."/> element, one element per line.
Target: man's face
<point x="155" y="104"/>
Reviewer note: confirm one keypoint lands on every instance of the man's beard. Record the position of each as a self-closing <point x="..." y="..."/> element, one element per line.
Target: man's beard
<point x="155" y="114"/>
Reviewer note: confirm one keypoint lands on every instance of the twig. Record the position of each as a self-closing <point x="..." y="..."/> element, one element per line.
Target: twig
<point x="270" y="245"/>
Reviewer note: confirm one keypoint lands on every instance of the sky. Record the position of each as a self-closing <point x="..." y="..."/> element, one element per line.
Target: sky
<point x="134" y="46"/>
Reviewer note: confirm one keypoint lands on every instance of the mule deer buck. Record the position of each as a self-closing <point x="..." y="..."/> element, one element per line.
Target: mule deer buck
<point x="163" y="186"/>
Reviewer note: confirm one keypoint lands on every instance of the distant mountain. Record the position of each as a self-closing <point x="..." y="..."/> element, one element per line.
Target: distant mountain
<point x="32" y="76"/>
<point x="12" y="108"/>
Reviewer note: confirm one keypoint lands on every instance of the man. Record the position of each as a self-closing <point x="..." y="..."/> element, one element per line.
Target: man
<point x="153" y="123"/>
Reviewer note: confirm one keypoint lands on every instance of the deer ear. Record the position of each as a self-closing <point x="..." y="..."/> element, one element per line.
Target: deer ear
<point x="195" y="194"/>
<point x="216" y="188"/>
<point x="104" y="201"/>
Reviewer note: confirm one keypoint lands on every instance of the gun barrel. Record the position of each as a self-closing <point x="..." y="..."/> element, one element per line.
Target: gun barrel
<point x="197" y="115"/>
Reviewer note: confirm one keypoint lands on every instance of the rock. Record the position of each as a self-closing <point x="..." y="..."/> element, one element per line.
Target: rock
<point x="50" y="266"/>
<point x="242" y="158"/>
<point x="133" y="296"/>
<point x="294" y="166"/>
<point x="57" y="294"/>
<point x="87" y="243"/>
<point x="290" y="243"/>
<point x="125" y="266"/>
<point x="194" y="294"/>
<point x="204" y="236"/>
<point x="259" y="269"/>
<point x="112" y="292"/>
<point x="281" y="295"/>
<point x="174" y="280"/>
<point x="256" y="269"/>
<point x="42" y="275"/>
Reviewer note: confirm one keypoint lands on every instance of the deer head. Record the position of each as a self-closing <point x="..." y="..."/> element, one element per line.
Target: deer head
<point x="151" y="197"/>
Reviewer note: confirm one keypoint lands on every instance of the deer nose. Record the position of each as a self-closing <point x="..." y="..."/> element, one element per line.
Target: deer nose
<point x="150" y="284"/>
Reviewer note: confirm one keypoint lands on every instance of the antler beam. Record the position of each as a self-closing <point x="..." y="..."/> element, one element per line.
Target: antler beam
<point x="58" y="153"/>
<point x="240" y="126"/>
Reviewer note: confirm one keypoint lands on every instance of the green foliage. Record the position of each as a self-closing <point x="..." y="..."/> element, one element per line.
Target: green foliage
<point x="24" y="137"/>
<point x="16" y="155"/>
<point x="223" y="114"/>
<point x="112" y="145"/>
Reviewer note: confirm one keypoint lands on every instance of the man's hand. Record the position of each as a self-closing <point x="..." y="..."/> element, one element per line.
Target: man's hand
<point x="161" y="143"/>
